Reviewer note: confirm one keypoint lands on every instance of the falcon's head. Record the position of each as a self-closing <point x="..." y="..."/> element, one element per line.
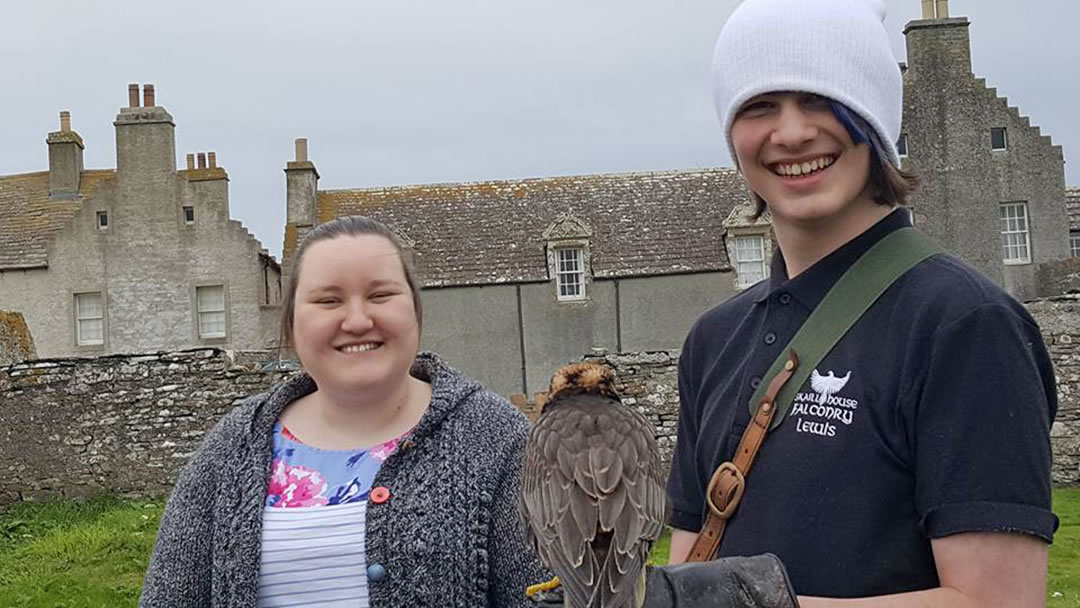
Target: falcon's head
<point x="579" y="378"/>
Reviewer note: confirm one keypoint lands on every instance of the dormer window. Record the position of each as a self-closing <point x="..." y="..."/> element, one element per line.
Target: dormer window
<point x="750" y="259"/>
<point x="901" y="145"/>
<point x="568" y="258"/>
<point x="570" y="273"/>
<point x="748" y="242"/>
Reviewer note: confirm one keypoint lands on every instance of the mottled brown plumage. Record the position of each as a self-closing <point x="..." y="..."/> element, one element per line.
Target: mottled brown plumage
<point x="593" y="492"/>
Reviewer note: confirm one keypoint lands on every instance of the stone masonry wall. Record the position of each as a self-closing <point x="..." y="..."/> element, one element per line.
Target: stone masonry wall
<point x="124" y="424"/>
<point x="1059" y="319"/>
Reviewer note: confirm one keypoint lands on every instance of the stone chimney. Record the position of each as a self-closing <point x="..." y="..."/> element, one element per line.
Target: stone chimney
<point x="65" y="159"/>
<point x="302" y="181"/>
<point x="301" y="212"/>
<point x="145" y="138"/>
<point x="942" y="121"/>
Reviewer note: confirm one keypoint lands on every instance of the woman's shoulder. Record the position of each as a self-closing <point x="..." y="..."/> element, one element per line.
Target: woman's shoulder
<point x="254" y="414"/>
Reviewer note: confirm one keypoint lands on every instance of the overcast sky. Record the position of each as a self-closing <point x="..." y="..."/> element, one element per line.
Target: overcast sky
<point x="407" y="91"/>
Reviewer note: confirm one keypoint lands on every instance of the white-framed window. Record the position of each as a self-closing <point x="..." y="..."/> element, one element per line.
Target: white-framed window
<point x="1015" y="238"/>
<point x="999" y="138"/>
<point x="189" y="215"/>
<point x="89" y="319"/>
<point x="1074" y="244"/>
<point x="210" y="303"/>
<point x="750" y="259"/>
<point x="570" y="273"/>
<point x="102" y="220"/>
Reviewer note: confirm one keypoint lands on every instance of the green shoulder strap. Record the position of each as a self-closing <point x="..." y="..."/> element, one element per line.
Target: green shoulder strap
<point x="852" y="295"/>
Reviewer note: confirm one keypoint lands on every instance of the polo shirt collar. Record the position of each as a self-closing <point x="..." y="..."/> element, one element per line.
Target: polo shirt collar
<point x="810" y="287"/>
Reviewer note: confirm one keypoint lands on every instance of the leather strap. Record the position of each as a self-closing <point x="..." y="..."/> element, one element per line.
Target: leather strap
<point x="726" y="486"/>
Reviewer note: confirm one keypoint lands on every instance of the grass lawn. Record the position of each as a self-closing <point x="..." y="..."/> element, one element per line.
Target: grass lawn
<point x="93" y="553"/>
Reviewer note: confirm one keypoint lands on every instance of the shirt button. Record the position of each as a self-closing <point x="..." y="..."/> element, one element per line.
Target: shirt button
<point x="380" y="495"/>
<point x="755" y="382"/>
<point x="785" y="298"/>
<point x="770" y="338"/>
<point x="376" y="573"/>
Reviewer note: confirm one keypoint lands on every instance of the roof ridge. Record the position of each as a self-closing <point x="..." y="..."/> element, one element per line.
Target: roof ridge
<point x="550" y="178"/>
<point x="46" y="172"/>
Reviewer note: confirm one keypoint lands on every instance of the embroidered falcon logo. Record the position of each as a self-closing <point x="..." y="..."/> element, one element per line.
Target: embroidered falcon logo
<point x="827" y="385"/>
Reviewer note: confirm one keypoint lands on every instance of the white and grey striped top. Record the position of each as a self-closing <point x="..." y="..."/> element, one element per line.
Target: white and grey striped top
<point x="314" y="556"/>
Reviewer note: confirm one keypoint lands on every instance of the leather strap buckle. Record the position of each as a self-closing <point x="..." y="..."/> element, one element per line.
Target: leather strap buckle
<point x="730" y="493"/>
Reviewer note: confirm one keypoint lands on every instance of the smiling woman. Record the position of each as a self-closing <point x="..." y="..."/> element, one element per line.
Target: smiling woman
<point x="378" y="477"/>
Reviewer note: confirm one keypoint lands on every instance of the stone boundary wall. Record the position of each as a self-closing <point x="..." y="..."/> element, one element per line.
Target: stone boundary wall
<point x="119" y="423"/>
<point x="126" y="423"/>
<point x="1059" y="320"/>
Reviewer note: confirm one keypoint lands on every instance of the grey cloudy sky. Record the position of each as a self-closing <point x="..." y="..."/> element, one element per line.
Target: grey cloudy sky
<point x="417" y="91"/>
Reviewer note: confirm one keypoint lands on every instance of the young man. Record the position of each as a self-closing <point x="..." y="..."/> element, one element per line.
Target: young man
<point x="913" y="468"/>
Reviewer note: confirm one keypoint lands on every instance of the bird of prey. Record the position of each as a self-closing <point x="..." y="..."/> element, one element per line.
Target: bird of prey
<point x="827" y="385"/>
<point x="593" y="490"/>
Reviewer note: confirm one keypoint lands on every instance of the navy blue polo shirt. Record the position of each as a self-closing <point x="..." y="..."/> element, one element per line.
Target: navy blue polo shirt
<point x="930" y="417"/>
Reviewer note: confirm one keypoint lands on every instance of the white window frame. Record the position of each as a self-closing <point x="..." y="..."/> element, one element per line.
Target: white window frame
<point x="750" y="267"/>
<point x="1015" y="233"/>
<point x="1074" y="245"/>
<point x="86" y="316"/>
<point x="207" y="312"/>
<point x="570" y="274"/>
<point x="1004" y="135"/>
<point x="97" y="220"/>
<point x="183" y="212"/>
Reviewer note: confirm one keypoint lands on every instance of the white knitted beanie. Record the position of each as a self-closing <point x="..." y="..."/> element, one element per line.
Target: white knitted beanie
<point x="835" y="48"/>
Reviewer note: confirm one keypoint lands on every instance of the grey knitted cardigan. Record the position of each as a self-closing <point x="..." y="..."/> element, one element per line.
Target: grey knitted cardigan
<point x="448" y="536"/>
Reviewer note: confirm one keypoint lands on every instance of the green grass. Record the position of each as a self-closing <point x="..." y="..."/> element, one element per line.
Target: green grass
<point x="75" y="554"/>
<point x="1063" y="583"/>
<point x="90" y="554"/>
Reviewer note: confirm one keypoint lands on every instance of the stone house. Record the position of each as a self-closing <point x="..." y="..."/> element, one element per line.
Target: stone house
<point x="520" y="276"/>
<point x="993" y="186"/>
<point x="138" y="258"/>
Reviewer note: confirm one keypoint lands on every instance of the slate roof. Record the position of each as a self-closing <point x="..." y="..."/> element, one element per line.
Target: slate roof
<point x="29" y="219"/>
<point x="1072" y="207"/>
<point x="492" y="232"/>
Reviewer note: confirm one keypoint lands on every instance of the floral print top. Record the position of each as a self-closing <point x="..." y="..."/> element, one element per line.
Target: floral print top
<point x="305" y="476"/>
